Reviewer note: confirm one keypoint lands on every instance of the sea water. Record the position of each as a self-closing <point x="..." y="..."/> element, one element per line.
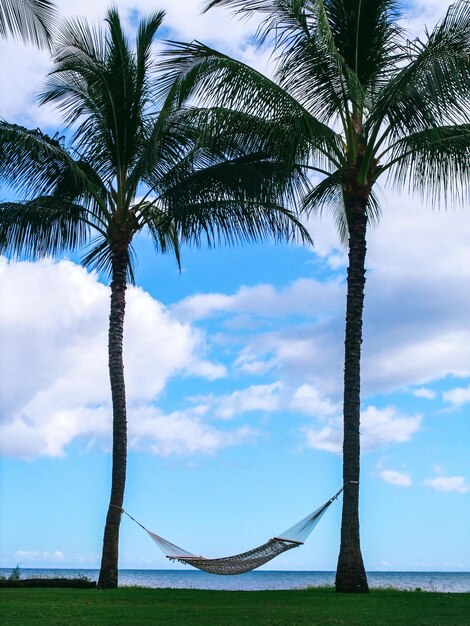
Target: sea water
<point x="455" y="582"/>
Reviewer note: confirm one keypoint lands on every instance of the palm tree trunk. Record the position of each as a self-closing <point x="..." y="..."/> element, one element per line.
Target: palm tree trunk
<point x="350" y="572"/>
<point x="108" y="577"/>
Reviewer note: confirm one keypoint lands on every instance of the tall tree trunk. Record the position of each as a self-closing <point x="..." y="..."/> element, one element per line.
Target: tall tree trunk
<point x="350" y="572"/>
<point x="108" y="577"/>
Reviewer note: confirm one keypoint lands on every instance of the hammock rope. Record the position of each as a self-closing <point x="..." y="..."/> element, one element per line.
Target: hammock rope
<point x="293" y="537"/>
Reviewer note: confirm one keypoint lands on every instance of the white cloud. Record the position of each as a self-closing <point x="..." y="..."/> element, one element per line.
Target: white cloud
<point x="157" y="346"/>
<point x="328" y="439"/>
<point x="22" y="73"/>
<point x="251" y="365"/>
<point x="420" y="13"/>
<point x="263" y="398"/>
<point x="393" y="477"/>
<point x="254" y="398"/>
<point x="415" y="322"/>
<point x="53" y="327"/>
<point x="301" y="353"/>
<point x="423" y="392"/>
<point x="201" y="306"/>
<point x="185" y="17"/>
<point x="448" y="483"/>
<point x="54" y="556"/>
<point x="51" y="558"/>
<point x="458" y="396"/>
<point x="415" y="317"/>
<point x="53" y="363"/>
<point x="306" y="348"/>
<point x="379" y="428"/>
<point x="270" y="398"/>
<point x="33" y="433"/>
<point x="181" y="433"/>
<point x="306" y="297"/>
<point x="309" y="401"/>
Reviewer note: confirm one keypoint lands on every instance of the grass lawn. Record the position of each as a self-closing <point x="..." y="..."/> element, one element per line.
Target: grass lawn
<point x="178" y="607"/>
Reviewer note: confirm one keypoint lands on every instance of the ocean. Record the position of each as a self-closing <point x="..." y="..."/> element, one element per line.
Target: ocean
<point x="447" y="582"/>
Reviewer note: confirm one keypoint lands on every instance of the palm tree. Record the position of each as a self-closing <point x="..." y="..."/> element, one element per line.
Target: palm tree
<point x="181" y="174"/>
<point x="32" y="20"/>
<point x="361" y="102"/>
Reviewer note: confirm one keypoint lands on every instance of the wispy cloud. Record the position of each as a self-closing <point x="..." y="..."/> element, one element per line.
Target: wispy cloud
<point x="54" y="556"/>
<point x="379" y="428"/>
<point x="303" y="297"/>
<point x="182" y="433"/>
<point x="399" y="479"/>
<point x="424" y="392"/>
<point x="308" y="400"/>
<point x="458" y="396"/>
<point x="448" y="483"/>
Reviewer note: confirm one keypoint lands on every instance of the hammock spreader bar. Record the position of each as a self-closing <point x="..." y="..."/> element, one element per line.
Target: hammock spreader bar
<point x="246" y="561"/>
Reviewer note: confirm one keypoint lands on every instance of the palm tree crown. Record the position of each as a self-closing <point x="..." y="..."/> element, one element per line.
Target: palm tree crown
<point x="138" y="159"/>
<point x="359" y="101"/>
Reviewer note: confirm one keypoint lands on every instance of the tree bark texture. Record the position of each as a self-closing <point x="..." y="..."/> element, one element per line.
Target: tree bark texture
<point x="350" y="574"/>
<point x="108" y="577"/>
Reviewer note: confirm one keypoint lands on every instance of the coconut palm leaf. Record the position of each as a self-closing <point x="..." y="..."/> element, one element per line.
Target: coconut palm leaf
<point x="31" y="20"/>
<point x="434" y="86"/>
<point x="42" y="227"/>
<point x="36" y="165"/>
<point x="434" y="163"/>
<point x="204" y="73"/>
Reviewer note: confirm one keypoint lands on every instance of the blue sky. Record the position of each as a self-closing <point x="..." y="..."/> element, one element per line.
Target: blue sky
<point x="234" y="373"/>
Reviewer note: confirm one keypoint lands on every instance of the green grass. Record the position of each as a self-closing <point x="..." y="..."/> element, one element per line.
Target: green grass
<point x="179" y="607"/>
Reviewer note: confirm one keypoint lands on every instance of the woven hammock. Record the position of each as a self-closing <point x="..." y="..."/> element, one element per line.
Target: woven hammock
<point x="246" y="561"/>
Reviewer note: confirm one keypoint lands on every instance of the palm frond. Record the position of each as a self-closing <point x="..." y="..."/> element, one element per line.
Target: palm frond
<point x="216" y="80"/>
<point x="247" y="195"/>
<point x="368" y="37"/>
<point x="434" y="86"/>
<point x="434" y="163"/>
<point x="329" y="195"/>
<point x="79" y="61"/>
<point x="209" y="136"/>
<point x="228" y="222"/>
<point x="31" y="20"/>
<point x="35" y="165"/>
<point x="329" y="52"/>
<point x="44" y="226"/>
<point x="98" y="256"/>
<point x="146" y="69"/>
<point x="102" y="88"/>
<point x="233" y="154"/>
<point x="284" y="18"/>
<point x="34" y="162"/>
<point x="309" y="64"/>
<point x="162" y="230"/>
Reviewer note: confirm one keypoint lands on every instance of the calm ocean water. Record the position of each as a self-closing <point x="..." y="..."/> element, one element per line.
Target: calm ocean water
<point x="455" y="582"/>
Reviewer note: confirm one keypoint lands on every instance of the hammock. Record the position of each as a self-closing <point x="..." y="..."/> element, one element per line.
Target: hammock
<point x="246" y="561"/>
